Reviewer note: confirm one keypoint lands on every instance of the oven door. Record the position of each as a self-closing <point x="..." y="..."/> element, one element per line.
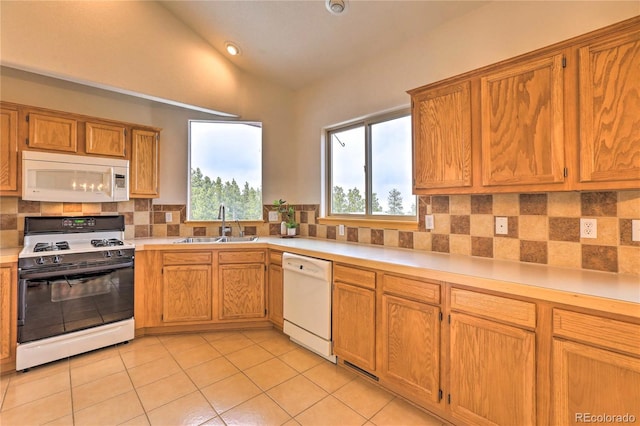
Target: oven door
<point x="53" y="304"/>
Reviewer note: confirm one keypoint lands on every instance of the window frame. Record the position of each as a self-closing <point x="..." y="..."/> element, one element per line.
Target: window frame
<point x="194" y="222"/>
<point x="368" y="217"/>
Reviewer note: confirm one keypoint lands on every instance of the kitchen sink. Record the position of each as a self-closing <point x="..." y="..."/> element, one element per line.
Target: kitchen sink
<point x="204" y="240"/>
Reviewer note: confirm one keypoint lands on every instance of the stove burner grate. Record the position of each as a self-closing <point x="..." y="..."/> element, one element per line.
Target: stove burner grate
<point x="106" y="242"/>
<point x="60" y="245"/>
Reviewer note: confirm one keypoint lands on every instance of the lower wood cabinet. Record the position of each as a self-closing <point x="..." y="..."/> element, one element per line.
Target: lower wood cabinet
<point x="275" y="290"/>
<point x="596" y="369"/>
<point x="186" y="287"/>
<point x="492" y="372"/>
<point x="410" y="339"/>
<point x="354" y="316"/>
<point x="241" y="285"/>
<point x="8" y="316"/>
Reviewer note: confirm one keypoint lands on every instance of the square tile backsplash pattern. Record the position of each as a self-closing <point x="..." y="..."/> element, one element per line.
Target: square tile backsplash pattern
<point x="542" y="228"/>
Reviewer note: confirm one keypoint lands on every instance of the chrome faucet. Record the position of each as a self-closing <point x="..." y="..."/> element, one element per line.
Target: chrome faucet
<point x="240" y="230"/>
<point x="221" y="215"/>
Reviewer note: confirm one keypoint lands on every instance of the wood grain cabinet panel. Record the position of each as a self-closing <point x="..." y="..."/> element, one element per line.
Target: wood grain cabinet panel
<point x="493" y="372"/>
<point x="187" y="293"/>
<point x="411" y="347"/>
<point x="105" y="139"/>
<point x="53" y="132"/>
<point x="592" y="381"/>
<point x="522" y="116"/>
<point x="354" y="325"/>
<point x="442" y="137"/>
<point x="275" y="298"/>
<point x="241" y="291"/>
<point x="9" y="152"/>
<point x="144" y="168"/>
<point x="8" y="316"/>
<point x="609" y="110"/>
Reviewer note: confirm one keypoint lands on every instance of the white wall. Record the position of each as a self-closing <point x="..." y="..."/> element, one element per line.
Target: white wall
<point x="494" y="32"/>
<point x="139" y="47"/>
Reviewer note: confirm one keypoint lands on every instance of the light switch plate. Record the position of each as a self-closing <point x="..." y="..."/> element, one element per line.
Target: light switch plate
<point x="340" y="229"/>
<point x="273" y="216"/>
<point x="168" y="217"/>
<point x="502" y="225"/>
<point x="635" y="230"/>
<point x="428" y="221"/>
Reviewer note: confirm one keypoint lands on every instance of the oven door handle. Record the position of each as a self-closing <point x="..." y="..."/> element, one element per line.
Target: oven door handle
<point x="51" y="274"/>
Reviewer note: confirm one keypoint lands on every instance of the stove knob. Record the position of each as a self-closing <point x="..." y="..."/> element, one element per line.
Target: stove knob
<point x="107" y="254"/>
<point x="57" y="259"/>
<point x="120" y="253"/>
<point x="40" y="261"/>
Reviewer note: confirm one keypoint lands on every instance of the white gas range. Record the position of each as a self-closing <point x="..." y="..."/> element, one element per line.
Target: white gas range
<point x="75" y="287"/>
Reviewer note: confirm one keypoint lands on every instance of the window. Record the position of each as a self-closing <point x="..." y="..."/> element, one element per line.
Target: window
<point x="225" y="166"/>
<point x="370" y="169"/>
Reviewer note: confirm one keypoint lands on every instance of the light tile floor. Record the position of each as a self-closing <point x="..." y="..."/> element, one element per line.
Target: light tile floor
<point x="233" y="378"/>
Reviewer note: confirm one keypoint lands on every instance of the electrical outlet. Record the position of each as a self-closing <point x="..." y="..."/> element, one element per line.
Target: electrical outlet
<point x="502" y="225"/>
<point x="340" y="229"/>
<point x="428" y="221"/>
<point x="273" y="216"/>
<point x="168" y="217"/>
<point x="635" y="230"/>
<point x="588" y="228"/>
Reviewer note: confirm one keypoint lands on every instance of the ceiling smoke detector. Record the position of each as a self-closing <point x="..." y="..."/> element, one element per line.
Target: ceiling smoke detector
<point x="336" y="7"/>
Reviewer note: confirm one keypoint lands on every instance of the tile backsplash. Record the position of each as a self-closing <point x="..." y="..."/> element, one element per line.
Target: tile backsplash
<point x="542" y="228"/>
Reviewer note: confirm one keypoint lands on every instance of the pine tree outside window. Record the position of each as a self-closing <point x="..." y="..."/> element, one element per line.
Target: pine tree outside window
<point x="369" y="169"/>
<point x="225" y="167"/>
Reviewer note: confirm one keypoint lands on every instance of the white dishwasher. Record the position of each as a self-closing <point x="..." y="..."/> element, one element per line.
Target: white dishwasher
<point x="307" y="302"/>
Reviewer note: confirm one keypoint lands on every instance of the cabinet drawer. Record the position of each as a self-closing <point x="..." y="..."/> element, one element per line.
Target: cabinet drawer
<point x="355" y="276"/>
<point x="275" y="257"/>
<point x="500" y="308"/>
<point x="609" y="333"/>
<point x="241" y="256"/>
<point x="422" y="291"/>
<point x="187" y="258"/>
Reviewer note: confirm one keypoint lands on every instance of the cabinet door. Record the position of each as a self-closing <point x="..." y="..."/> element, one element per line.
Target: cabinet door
<point x="522" y="120"/>
<point x="187" y="293"/>
<point x="9" y="151"/>
<point x="105" y="139"/>
<point x="411" y="347"/>
<point x="609" y="105"/>
<point x="241" y="291"/>
<point x="493" y="372"/>
<point x="8" y="316"/>
<point x="53" y="133"/>
<point x="275" y="295"/>
<point x="143" y="172"/>
<point x="442" y="138"/>
<point x="354" y="323"/>
<point x="588" y="382"/>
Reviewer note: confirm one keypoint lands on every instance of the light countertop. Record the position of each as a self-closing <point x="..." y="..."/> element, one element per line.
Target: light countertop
<point x="560" y="285"/>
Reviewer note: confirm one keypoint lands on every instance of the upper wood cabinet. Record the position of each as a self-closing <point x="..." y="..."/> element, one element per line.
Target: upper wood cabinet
<point x="522" y="109"/>
<point x="52" y="132"/>
<point x="9" y="152"/>
<point x="561" y="118"/>
<point x="105" y="139"/>
<point x="442" y="137"/>
<point x="144" y="168"/>
<point x="609" y="71"/>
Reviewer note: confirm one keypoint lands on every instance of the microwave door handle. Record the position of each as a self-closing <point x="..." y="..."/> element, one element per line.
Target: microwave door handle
<point x="112" y="180"/>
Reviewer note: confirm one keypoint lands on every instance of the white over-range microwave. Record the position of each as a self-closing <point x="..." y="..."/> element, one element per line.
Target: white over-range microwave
<point x="73" y="178"/>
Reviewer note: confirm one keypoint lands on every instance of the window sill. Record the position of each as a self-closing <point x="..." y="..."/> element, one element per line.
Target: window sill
<point x="219" y="222"/>
<point x="403" y="225"/>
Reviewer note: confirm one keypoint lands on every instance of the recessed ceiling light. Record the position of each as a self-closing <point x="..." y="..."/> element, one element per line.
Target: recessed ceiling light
<point x="336" y="7"/>
<point x="232" y="48"/>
